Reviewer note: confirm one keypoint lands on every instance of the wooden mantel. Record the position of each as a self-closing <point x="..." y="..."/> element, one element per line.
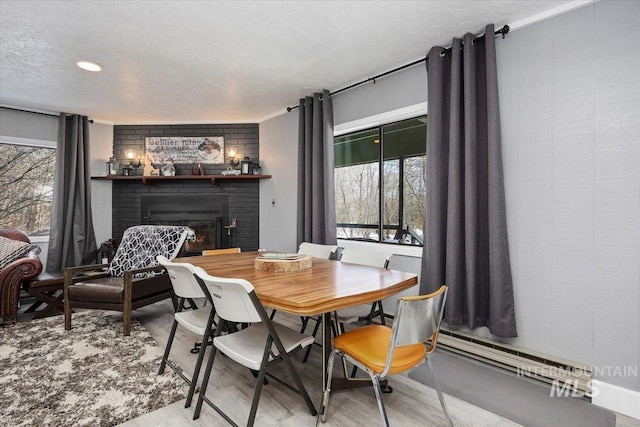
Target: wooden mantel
<point x="149" y="180"/>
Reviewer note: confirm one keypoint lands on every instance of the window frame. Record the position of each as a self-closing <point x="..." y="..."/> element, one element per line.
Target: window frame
<point x="378" y="122"/>
<point x="31" y="142"/>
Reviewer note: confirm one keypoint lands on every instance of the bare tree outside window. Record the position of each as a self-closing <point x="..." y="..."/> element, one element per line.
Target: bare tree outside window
<point x="357" y="200"/>
<point x="26" y="187"/>
<point x="396" y="215"/>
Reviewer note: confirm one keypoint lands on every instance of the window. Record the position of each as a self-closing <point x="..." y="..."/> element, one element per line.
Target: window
<point x="382" y="201"/>
<point x="26" y="187"/>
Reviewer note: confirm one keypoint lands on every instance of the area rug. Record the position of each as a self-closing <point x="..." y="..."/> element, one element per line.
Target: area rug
<point x="518" y="399"/>
<point x="91" y="375"/>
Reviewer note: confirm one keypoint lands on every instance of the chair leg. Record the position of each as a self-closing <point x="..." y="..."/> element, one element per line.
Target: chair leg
<point x="167" y="349"/>
<point x="327" y="391"/>
<point x="381" y="313"/>
<point x="205" y="383"/>
<point x="354" y="371"/>
<point x="305" y="321"/>
<point x="339" y="331"/>
<point x="439" y="391"/>
<point x="67" y="303"/>
<point x="259" y="384"/>
<point x="196" y="371"/>
<point x="301" y="388"/>
<point x="67" y="315"/>
<point x="315" y="331"/>
<point x="376" y="388"/>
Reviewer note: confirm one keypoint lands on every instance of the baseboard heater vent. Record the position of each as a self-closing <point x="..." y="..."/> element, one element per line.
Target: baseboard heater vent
<point x="564" y="375"/>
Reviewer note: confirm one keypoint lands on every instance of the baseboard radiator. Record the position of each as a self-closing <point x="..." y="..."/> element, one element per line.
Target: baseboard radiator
<point x="561" y="373"/>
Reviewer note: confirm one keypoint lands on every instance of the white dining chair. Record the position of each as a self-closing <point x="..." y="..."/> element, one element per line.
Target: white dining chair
<point x="257" y="346"/>
<point x="363" y="312"/>
<point x="408" y="264"/>
<point x="317" y="250"/>
<point x="199" y="321"/>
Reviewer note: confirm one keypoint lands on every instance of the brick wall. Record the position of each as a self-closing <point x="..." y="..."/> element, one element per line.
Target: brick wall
<point x="243" y="195"/>
<point x="243" y="138"/>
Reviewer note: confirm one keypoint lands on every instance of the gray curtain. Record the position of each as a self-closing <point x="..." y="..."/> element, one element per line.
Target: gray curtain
<point x="466" y="244"/>
<point x="72" y="241"/>
<point x="316" y="193"/>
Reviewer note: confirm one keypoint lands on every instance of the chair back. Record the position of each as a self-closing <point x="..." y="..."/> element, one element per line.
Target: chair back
<point x="231" y="298"/>
<point x="316" y="250"/>
<point x="363" y="257"/>
<point x="182" y="278"/>
<point x="408" y="264"/>
<point x="418" y="318"/>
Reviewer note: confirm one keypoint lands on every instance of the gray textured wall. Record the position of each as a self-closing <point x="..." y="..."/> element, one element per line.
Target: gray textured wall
<point x="279" y="154"/>
<point x="26" y="125"/>
<point x="570" y="96"/>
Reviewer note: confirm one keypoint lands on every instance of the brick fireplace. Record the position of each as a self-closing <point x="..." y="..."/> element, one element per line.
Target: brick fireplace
<point x="191" y="202"/>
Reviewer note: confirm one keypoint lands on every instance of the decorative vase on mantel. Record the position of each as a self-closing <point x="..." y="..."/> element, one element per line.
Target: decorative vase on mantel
<point x="168" y="169"/>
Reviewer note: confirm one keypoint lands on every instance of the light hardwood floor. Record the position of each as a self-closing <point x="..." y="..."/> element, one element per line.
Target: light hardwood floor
<point x="231" y="388"/>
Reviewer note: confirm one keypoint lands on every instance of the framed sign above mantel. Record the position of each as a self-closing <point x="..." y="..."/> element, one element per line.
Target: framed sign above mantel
<point x="190" y="149"/>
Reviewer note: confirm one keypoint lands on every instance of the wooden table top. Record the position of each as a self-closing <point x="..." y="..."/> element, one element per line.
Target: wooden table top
<point x="325" y="287"/>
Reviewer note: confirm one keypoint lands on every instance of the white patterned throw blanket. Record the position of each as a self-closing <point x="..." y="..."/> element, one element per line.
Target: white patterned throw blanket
<point x="143" y="243"/>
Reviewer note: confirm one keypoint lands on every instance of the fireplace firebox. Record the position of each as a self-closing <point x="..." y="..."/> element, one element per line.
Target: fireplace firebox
<point x="205" y="215"/>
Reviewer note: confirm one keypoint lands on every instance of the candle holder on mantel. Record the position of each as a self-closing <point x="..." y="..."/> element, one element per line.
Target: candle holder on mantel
<point x="135" y="163"/>
<point x="245" y="166"/>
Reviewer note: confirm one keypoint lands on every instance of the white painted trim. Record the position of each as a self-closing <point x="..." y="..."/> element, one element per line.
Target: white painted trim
<point x="549" y="13"/>
<point x="28" y="141"/>
<point x="618" y="399"/>
<point x="403" y="113"/>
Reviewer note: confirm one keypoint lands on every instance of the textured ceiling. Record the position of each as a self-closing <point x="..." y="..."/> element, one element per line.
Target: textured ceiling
<point x="206" y="61"/>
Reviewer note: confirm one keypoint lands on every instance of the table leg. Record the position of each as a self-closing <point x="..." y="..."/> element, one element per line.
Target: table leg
<point x="326" y="345"/>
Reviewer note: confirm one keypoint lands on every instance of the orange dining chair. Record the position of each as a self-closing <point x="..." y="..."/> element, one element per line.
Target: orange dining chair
<point x="380" y="350"/>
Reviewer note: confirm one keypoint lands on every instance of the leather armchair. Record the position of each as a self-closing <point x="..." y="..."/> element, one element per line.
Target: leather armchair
<point x="12" y="276"/>
<point x="119" y="287"/>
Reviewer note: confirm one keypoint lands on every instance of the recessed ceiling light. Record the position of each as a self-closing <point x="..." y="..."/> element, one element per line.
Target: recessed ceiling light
<point x="89" y="66"/>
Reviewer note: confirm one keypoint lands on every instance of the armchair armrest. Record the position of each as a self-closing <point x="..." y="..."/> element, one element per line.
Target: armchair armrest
<point x="71" y="274"/>
<point x="128" y="278"/>
<point x="128" y="288"/>
<point x="11" y="278"/>
<point x="156" y="268"/>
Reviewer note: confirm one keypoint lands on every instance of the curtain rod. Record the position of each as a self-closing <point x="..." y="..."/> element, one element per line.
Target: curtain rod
<point x="504" y="30"/>
<point x="38" y="112"/>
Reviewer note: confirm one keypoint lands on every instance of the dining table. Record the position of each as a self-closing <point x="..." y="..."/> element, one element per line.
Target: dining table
<point x="326" y="287"/>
